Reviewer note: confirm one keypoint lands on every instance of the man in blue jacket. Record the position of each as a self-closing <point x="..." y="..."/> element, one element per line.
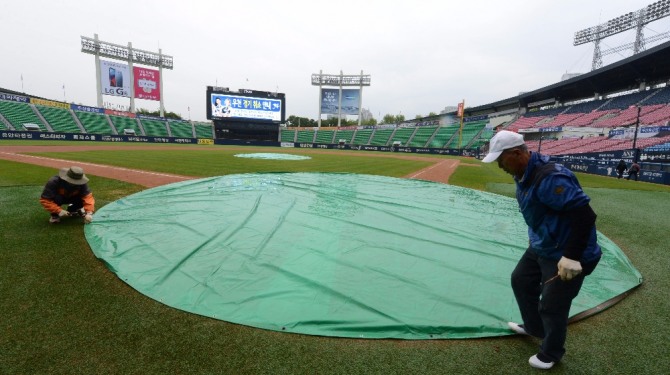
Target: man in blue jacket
<point x="563" y="247"/>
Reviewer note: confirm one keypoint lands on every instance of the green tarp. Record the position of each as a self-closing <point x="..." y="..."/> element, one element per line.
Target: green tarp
<point x="332" y="254"/>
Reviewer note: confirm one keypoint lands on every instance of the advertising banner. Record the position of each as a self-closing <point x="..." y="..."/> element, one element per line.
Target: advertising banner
<point x="14" y="98"/>
<point x="83" y="108"/>
<point x="147" y="83"/>
<point x="350" y="99"/>
<point x="330" y="101"/>
<point x="49" y="103"/>
<point x="115" y="78"/>
<point x="119" y="113"/>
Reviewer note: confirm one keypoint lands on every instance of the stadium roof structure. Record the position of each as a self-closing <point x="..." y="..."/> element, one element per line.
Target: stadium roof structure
<point x="651" y="67"/>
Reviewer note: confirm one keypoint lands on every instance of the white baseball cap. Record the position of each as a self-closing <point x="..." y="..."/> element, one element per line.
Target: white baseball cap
<point x="502" y="141"/>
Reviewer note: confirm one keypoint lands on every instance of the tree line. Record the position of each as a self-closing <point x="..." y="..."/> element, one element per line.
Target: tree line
<point x="305" y="122"/>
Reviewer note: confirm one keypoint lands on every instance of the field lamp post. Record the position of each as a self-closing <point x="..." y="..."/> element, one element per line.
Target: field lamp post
<point x="637" y="127"/>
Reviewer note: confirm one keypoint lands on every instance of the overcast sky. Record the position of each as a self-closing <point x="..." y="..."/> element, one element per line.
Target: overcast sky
<point x="421" y="55"/>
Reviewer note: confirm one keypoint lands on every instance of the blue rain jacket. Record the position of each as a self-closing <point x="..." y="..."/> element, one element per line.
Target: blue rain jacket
<point x="544" y="205"/>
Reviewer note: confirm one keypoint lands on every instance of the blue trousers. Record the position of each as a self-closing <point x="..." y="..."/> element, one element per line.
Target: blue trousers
<point x="545" y="306"/>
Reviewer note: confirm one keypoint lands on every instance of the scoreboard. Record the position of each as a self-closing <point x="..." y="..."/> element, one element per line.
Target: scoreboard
<point x="246" y="114"/>
<point x="245" y="105"/>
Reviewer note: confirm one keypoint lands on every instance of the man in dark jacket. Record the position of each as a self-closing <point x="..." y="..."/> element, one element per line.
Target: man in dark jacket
<point x="633" y="171"/>
<point x="620" y="168"/>
<point x="69" y="187"/>
<point x="562" y="243"/>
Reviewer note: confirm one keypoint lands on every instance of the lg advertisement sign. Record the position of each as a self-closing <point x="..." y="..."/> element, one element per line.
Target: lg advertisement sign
<point x="115" y="78"/>
<point x="147" y="83"/>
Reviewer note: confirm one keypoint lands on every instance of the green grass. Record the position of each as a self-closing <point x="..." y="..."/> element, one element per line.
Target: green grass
<point x="63" y="312"/>
<point x="222" y="161"/>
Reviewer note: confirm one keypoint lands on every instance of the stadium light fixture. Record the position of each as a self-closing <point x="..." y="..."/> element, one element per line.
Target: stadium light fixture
<point x="340" y="80"/>
<point x="115" y="51"/>
<point x="648" y="14"/>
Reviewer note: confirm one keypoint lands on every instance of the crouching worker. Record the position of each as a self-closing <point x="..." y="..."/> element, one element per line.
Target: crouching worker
<point x="69" y="187"/>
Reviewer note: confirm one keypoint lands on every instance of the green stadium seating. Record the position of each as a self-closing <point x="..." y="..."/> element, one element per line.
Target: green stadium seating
<point x="203" y="130"/>
<point x="470" y="130"/>
<point x="94" y="123"/>
<point x="381" y="137"/>
<point x="181" y="129"/>
<point x="443" y="136"/>
<point x="60" y="119"/>
<point x="121" y="123"/>
<point x="402" y="135"/>
<point x="362" y="137"/>
<point x="484" y="138"/>
<point x="154" y="128"/>
<point x="287" y="135"/>
<point x="305" y="136"/>
<point x="422" y="135"/>
<point x="325" y="136"/>
<point x="20" y="113"/>
<point x="347" y="135"/>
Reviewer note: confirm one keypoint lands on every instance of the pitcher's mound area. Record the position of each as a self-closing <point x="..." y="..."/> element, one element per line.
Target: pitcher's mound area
<point x="272" y="156"/>
<point x="332" y="254"/>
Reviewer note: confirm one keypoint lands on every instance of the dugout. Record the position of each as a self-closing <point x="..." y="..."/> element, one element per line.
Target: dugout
<point x="246" y="130"/>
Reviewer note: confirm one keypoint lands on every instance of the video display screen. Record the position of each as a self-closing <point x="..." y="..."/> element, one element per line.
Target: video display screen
<point x="254" y="106"/>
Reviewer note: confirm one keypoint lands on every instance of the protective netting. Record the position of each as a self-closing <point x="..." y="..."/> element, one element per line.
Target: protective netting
<point x="332" y="254"/>
<point x="272" y="156"/>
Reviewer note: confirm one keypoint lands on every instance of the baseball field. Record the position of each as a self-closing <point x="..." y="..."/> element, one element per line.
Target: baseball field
<point x="64" y="312"/>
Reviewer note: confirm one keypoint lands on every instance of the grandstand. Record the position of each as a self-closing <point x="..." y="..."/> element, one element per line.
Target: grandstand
<point x="362" y="137"/>
<point x="55" y="117"/>
<point x="470" y="132"/>
<point x="180" y="129"/>
<point x="20" y="113"/>
<point x="156" y="128"/>
<point x="61" y="120"/>
<point x="474" y="135"/>
<point x="203" y="130"/>
<point x="443" y="136"/>
<point x="305" y="136"/>
<point x="95" y="123"/>
<point x="381" y="137"/>
<point x="122" y="123"/>
<point x="421" y="136"/>
<point x="346" y="135"/>
<point x="287" y="135"/>
<point x="325" y="136"/>
<point x="402" y="135"/>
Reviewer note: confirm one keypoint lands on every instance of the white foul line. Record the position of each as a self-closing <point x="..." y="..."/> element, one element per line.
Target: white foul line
<point x="101" y="166"/>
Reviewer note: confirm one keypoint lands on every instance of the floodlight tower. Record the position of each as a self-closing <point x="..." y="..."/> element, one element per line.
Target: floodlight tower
<point x="340" y="81"/>
<point x="628" y="21"/>
<point x="96" y="47"/>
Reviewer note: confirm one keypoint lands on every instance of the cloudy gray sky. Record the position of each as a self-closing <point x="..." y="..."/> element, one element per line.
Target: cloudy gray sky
<point x="422" y="55"/>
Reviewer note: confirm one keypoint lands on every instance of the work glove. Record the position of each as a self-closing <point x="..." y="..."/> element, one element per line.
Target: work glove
<point x="88" y="218"/>
<point x="63" y="213"/>
<point x="568" y="268"/>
